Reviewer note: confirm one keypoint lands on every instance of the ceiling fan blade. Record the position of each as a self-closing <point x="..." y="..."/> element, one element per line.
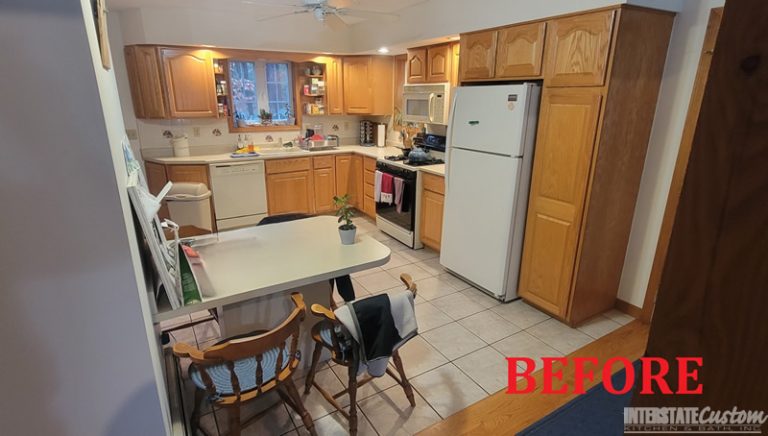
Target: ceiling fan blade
<point x="333" y="21"/>
<point x="342" y="4"/>
<point x="271" y="4"/>
<point x="359" y="13"/>
<point x="273" y="17"/>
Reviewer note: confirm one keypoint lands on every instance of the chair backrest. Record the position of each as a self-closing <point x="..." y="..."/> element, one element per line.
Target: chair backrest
<point x="238" y="348"/>
<point x="274" y="219"/>
<point x="326" y="313"/>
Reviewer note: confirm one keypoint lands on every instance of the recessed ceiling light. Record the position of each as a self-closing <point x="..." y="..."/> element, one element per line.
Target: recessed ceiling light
<point x="208" y="45"/>
<point x="383" y="50"/>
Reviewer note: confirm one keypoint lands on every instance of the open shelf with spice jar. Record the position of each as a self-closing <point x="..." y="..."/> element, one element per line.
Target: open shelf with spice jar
<point x="222" y="87"/>
<point x="311" y="88"/>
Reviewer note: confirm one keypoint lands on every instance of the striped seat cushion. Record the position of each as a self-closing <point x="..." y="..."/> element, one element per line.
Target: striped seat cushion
<point x="325" y="335"/>
<point x="245" y="369"/>
<point x="344" y="344"/>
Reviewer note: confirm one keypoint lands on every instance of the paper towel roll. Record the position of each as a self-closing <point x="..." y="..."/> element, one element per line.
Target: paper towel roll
<point x="381" y="133"/>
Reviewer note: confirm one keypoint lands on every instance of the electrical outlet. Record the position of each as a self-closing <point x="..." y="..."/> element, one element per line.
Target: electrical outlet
<point x="196" y="132"/>
<point x="132" y="134"/>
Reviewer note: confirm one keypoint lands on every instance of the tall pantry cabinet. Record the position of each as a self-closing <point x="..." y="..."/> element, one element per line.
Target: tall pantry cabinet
<point x="602" y="72"/>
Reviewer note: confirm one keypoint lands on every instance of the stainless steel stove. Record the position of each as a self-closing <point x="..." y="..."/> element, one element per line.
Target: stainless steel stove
<point x="401" y="158"/>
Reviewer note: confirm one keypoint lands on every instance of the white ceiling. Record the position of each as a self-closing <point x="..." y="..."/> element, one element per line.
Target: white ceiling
<point x="264" y="8"/>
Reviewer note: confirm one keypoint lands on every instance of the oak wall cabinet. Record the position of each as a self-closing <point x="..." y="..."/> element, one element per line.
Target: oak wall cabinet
<point x="171" y="82"/>
<point x="334" y="86"/>
<point x="368" y="84"/>
<point x="510" y="52"/>
<point x="478" y="55"/>
<point x="439" y="60"/>
<point x="189" y="83"/>
<point x="519" y="50"/>
<point x="416" y="65"/>
<point x="146" y="82"/>
<point x="432" y="64"/>
<point x="577" y="49"/>
<point x="602" y="72"/>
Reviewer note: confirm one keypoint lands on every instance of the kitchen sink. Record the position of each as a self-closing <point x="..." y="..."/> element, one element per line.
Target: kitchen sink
<point x="322" y="148"/>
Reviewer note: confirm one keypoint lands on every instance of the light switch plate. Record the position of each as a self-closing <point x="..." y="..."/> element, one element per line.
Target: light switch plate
<point x="132" y="134"/>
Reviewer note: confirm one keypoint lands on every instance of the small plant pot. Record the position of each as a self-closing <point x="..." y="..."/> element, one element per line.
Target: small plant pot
<point x="347" y="236"/>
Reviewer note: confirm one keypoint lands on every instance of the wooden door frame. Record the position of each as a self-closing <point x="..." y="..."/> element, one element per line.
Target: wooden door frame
<point x="712" y="298"/>
<point x="684" y="152"/>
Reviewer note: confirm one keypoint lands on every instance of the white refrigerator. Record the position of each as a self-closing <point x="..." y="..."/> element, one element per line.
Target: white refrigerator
<point x="491" y="137"/>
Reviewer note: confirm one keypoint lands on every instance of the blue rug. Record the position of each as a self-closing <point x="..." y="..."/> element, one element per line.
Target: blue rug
<point x="596" y="413"/>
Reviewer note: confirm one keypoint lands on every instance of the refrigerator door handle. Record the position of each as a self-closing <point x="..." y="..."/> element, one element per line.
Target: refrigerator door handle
<point x="431" y="109"/>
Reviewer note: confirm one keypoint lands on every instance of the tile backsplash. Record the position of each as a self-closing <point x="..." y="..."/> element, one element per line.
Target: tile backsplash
<point x="207" y="135"/>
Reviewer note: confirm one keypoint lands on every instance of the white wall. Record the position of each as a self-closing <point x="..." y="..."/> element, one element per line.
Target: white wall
<point x="121" y="75"/>
<point x="77" y="345"/>
<point x="672" y="108"/>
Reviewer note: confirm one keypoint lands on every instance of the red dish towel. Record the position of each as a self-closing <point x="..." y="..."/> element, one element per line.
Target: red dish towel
<point x="387" y="188"/>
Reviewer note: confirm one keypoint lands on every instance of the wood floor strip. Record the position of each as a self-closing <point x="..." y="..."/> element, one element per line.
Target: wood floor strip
<point x="505" y="414"/>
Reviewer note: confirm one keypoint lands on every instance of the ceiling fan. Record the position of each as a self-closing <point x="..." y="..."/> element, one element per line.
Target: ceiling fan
<point x="327" y="12"/>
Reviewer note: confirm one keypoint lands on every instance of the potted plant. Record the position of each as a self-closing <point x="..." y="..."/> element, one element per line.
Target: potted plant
<point x="266" y="117"/>
<point x="290" y="118"/>
<point x="345" y="213"/>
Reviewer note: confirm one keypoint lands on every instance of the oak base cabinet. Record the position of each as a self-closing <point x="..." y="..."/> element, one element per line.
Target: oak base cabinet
<point x="289" y="193"/>
<point x="289" y="186"/>
<point x="567" y="124"/>
<point x="158" y="175"/>
<point x="369" y="168"/>
<point x="432" y="203"/>
<point x="324" y="181"/>
<point x="349" y="178"/>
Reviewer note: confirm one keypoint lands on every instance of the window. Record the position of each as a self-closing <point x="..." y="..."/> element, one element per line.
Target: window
<point x="279" y="91"/>
<point x="261" y="93"/>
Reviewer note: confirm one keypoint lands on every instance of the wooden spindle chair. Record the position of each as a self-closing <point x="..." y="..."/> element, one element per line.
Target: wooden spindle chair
<point x="240" y="369"/>
<point x="325" y="338"/>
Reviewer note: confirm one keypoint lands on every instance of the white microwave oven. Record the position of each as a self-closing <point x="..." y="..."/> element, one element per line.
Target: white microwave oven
<point x="428" y="103"/>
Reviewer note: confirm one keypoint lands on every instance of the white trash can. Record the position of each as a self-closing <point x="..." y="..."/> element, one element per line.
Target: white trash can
<point x="189" y="205"/>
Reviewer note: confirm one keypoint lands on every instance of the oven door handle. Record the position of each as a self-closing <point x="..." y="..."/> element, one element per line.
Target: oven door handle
<point x="431" y="104"/>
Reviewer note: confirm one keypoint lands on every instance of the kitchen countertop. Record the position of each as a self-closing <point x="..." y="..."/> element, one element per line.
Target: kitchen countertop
<point x="377" y="153"/>
<point x="243" y="264"/>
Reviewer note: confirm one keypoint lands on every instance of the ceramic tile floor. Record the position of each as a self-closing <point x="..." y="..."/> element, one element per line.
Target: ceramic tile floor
<point x="457" y="359"/>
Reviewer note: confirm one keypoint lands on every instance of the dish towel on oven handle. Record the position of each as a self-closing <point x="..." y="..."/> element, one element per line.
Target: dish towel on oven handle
<point x="387" y="188"/>
<point x="379" y="325"/>
<point x="399" y="186"/>
<point x="377" y="186"/>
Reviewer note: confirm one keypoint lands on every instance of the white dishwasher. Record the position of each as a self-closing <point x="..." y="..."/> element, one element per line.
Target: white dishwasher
<point x="239" y="193"/>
